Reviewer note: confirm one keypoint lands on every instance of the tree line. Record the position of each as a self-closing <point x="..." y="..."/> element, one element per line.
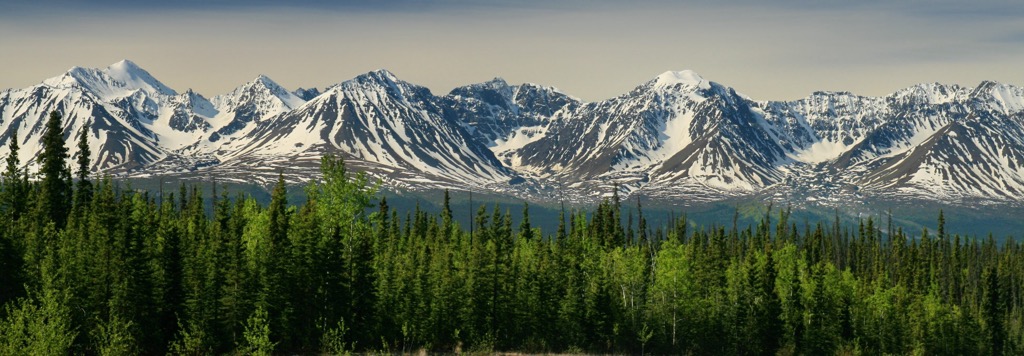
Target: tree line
<point x="88" y="266"/>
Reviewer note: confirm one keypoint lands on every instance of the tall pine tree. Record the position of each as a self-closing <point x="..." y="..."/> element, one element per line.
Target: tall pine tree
<point x="56" y="176"/>
<point x="84" y="191"/>
<point x="15" y="186"/>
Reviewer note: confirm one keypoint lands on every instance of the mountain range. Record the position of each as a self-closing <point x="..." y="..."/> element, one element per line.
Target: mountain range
<point x="676" y="137"/>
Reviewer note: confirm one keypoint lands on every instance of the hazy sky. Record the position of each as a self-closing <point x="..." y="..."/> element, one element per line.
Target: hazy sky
<point x="590" y="49"/>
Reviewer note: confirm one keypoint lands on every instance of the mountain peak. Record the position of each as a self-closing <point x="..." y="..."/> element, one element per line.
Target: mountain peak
<point x="263" y="83"/>
<point x="381" y="79"/>
<point x="267" y="82"/>
<point x="379" y="75"/>
<point x="74" y="75"/>
<point x="261" y="90"/>
<point x="498" y="81"/>
<point x="125" y="65"/>
<point x="687" y="78"/>
<point x="129" y="73"/>
<point x="117" y="80"/>
<point x="931" y="93"/>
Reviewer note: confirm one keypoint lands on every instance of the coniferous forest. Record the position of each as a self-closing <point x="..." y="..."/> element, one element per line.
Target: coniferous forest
<point x="90" y="266"/>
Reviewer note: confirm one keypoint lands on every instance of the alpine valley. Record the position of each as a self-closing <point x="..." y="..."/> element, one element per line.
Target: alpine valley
<point x="676" y="138"/>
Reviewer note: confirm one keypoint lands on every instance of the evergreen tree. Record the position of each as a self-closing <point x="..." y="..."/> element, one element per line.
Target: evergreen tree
<point x="56" y="176"/>
<point x="642" y="224"/>
<point x="525" y="230"/>
<point x="83" y="154"/>
<point x="257" y="334"/>
<point x="13" y="195"/>
<point x="38" y="326"/>
<point x="560" y="235"/>
<point x="342" y="202"/>
<point x="993" y="310"/>
<point x="446" y="218"/>
<point x="769" y="313"/>
<point x="279" y="216"/>
<point x="130" y="275"/>
<point x="83" y="189"/>
<point x="14" y="191"/>
<point x="12" y="163"/>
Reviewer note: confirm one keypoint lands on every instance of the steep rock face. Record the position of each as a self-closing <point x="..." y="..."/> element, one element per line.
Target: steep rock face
<point x="495" y="112"/>
<point x="306" y="94"/>
<point x="190" y="112"/>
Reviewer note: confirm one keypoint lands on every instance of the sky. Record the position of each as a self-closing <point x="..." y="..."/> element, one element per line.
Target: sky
<point x="591" y="49"/>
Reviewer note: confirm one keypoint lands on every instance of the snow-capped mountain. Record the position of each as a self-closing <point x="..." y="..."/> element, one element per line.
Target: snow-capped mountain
<point x="252" y="102"/>
<point x="121" y="102"/>
<point x="378" y="122"/>
<point x="676" y="128"/>
<point x="976" y="154"/>
<point x="494" y="111"/>
<point x="677" y="136"/>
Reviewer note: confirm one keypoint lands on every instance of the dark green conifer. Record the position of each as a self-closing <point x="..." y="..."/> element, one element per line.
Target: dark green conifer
<point x="56" y="176"/>
<point x="525" y="230"/>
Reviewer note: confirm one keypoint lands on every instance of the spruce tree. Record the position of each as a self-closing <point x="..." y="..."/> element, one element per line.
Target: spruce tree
<point x="13" y="164"/>
<point x="614" y="220"/>
<point x="83" y="154"/>
<point x="560" y="235"/>
<point x="642" y="223"/>
<point x="279" y="216"/>
<point x="275" y="291"/>
<point x="15" y="187"/>
<point x="771" y="324"/>
<point x="56" y="176"/>
<point x="446" y="218"/>
<point x="942" y="226"/>
<point x="83" y="190"/>
<point x="993" y="309"/>
<point x="525" y="230"/>
<point x="12" y="205"/>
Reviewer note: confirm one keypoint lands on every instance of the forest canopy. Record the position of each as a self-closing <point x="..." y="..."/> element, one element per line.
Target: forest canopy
<point x="90" y="266"/>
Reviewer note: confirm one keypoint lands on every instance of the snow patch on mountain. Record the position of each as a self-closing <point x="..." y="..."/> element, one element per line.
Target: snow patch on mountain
<point x="685" y="78"/>
<point x="677" y="135"/>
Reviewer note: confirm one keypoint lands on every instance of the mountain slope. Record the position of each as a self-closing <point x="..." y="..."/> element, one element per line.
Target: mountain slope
<point x="677" y="128"/>
<point x="118" y="102"/>
<point x="677" y="137"/>
<point x="977" y="156"/>
<point x="377" y="121"/>
<point x="494" y="111"/>
<point x="257" y="100"/>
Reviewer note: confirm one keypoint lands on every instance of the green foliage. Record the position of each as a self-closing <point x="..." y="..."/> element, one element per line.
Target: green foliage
<point x="333" y="340"/>
<point x="83" y="154"/>
<point x="192" y="340"/>
<point x="114" y="338"/>
<point x="257" y="334"/>
<point x="14" y="191"/>
<point x="56" y="176"/>
<point x="197" y="273"/>
<point x="38" y="325"/>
